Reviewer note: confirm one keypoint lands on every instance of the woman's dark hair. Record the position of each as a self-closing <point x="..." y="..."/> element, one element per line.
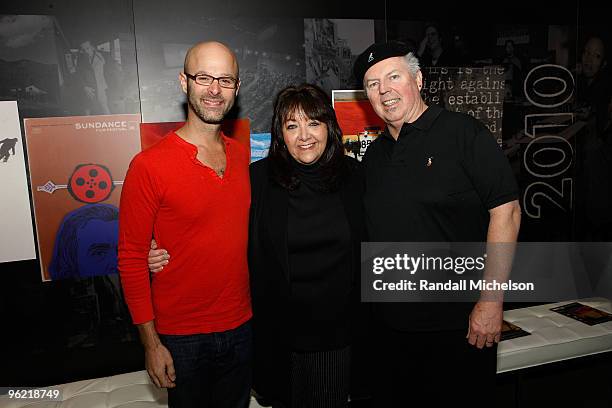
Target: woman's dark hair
<point x="314" y="103"/>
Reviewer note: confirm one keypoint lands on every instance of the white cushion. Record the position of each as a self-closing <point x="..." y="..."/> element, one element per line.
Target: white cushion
<point x="131" y="390"/>
<point x="554" y="337"/>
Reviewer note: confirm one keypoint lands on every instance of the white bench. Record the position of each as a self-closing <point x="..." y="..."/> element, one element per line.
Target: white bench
<point x="131" y="390"/>
<point x="554" y="337"/>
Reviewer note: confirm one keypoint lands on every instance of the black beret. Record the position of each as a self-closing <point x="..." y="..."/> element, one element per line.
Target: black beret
<point x="376" y="53"/>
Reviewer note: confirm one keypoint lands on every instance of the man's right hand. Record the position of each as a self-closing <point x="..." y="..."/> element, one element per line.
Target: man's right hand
<point x="160" y="366"/>
<point x="158" y="360"/>
<point x="157" y="258"/>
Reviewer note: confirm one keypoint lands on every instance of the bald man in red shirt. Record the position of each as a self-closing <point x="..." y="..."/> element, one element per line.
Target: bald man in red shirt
<point x="191" y="192"/>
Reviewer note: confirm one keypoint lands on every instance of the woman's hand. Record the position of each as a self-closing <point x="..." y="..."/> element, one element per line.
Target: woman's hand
<point x="158" y="258"/>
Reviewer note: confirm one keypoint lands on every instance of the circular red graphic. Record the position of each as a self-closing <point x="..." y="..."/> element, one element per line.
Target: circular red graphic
<point x="90" y="183"/>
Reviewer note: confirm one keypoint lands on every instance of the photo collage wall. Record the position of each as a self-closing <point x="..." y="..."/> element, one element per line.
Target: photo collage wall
<point x="84" y="86"/>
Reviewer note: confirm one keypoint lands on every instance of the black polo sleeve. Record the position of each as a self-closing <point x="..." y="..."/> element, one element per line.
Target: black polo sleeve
<point x="486" y="165"/>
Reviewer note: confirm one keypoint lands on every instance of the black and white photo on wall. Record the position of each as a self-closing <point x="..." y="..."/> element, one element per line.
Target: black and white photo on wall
<point x="72" y="62"/>
<point x="270" y="53"/>
<point x="331" y="47"/>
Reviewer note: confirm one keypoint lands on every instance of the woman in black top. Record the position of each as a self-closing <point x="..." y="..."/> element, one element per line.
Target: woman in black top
<point x="306" y="226"/>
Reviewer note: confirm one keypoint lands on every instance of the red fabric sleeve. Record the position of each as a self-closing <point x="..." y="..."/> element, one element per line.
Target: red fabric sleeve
<point x="140" y="198"/>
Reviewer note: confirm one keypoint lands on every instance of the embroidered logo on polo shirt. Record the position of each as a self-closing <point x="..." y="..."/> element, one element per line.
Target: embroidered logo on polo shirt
<point x="429" y="161"/>
<point x="371" y="57"/>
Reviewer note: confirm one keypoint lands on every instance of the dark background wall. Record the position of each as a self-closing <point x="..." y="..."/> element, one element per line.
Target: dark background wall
<point x="62" y="331"/>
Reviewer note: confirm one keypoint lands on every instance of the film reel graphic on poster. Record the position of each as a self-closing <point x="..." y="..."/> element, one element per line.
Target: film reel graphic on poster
<point x="89" y="183"/>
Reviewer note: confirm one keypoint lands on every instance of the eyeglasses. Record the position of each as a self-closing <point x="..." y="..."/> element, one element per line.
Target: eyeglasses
<point x="207" y="80"/>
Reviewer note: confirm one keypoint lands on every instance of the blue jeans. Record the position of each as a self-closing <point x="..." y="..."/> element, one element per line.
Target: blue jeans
<point x="213" y="369"/>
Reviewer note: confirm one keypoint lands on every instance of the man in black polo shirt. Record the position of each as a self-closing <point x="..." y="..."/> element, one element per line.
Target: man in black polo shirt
<point x="432" y="176"/>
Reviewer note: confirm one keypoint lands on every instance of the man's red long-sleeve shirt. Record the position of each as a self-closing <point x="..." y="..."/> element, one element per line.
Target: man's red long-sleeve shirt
<point x="202" y="220"/>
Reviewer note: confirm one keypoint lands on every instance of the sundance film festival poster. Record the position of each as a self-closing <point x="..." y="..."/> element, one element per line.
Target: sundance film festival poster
<point x="77" y="167"/>
<point x="359" y="123"/>
<point x="16" y="234"/>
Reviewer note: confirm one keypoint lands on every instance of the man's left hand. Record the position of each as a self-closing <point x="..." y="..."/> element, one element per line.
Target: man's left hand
<point x="485" y="324"/>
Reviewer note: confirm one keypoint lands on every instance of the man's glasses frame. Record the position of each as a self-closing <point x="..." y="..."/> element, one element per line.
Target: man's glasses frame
<point x="207" y="80"/>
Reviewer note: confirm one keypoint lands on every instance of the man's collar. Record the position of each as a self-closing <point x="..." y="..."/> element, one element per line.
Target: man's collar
<point x="423" y="122"/>
<point x="427" y="118"/>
